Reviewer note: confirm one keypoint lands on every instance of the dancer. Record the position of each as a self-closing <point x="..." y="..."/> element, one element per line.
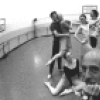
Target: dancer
<point x="83" y="29"/>
<point x="64" y="40"/>
<point x="94" y="15"/>
<point x="65" y="37"/>
<point x="71" y="73"/>
<point x="94" y="28"/>
<point x="55" y="28"/>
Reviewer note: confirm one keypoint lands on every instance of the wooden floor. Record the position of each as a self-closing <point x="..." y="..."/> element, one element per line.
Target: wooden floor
<point x="23" y="72"/>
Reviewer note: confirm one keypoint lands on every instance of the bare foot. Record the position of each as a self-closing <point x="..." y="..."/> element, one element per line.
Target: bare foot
<point x="49" y="76"/>
<point x="66" y="91"/>
<point x="47" y="84"/>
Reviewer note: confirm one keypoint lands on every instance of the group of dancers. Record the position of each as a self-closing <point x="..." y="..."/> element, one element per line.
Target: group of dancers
<point x="61" y="50"/>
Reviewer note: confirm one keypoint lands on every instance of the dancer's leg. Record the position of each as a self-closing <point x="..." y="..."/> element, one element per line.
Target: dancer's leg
<point x="55" y="49"/>
<point x="60" y="86"/>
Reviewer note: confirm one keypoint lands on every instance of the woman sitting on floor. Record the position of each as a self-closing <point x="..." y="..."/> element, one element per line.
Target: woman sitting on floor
<point x="71" y="73"/>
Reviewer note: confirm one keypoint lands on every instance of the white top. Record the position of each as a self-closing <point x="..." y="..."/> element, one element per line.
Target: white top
<point x="93" y="21"/>
<point x="84" y="29"/>
<point x="95" y="27"/>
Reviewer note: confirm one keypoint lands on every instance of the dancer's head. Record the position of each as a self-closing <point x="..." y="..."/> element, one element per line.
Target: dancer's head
<point x="83" y="18"/>
<point x="54" y="16"/>
<point x="69" y="56"/>
<point x="94" y="14"/>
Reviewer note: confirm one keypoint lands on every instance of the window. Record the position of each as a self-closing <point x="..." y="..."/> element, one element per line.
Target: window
<point x="87" y="8"/>
<point x="2" y="24"/>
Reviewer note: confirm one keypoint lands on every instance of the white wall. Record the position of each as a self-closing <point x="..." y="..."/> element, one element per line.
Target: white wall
<point x="20" y="13"/>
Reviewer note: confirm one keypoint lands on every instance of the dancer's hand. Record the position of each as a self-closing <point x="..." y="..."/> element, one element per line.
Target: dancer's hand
<point x="48" y="63"/>
<point x="95" y="34"/>
<point x="83" y="42"/>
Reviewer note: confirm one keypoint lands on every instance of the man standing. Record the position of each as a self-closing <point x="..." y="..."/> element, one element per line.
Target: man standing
<point x="55" y="29"/>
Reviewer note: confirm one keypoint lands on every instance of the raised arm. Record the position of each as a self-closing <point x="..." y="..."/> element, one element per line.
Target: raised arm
<point x="55" y="33"/>
<point x="76" y="34"/>
<point x="63" y="35"/>
<point x="60" y="54"/>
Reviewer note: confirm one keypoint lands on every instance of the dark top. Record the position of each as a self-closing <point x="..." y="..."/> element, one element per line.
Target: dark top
<point x="56" y="26"/>
<point x="72" y="72"/>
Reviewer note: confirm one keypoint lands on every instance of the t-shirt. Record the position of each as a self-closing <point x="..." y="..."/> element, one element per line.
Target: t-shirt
<point x="55" y="26"/>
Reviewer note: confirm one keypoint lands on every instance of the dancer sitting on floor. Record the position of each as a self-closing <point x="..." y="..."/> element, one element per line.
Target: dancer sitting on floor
<point x="90" y="88"/>
<point x="71" y="73"/>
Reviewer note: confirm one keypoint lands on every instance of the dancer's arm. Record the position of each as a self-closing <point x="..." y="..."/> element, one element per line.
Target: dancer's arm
<point x="63" y="35"/>
<point x="60" y="54"/>
<point x="53" y="30"/>
<point x="98" y="31"/>
<point x="84" y="41"/>
<point x="56" y="90"/>
<point x="55" y="33"/>
<point x="76" y="34"/>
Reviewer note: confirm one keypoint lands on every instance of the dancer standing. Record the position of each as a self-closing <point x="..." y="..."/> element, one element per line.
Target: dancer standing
<point x="94" y="28"/>
<point x="55" y="29"/>
<point x="83" y="29"/>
